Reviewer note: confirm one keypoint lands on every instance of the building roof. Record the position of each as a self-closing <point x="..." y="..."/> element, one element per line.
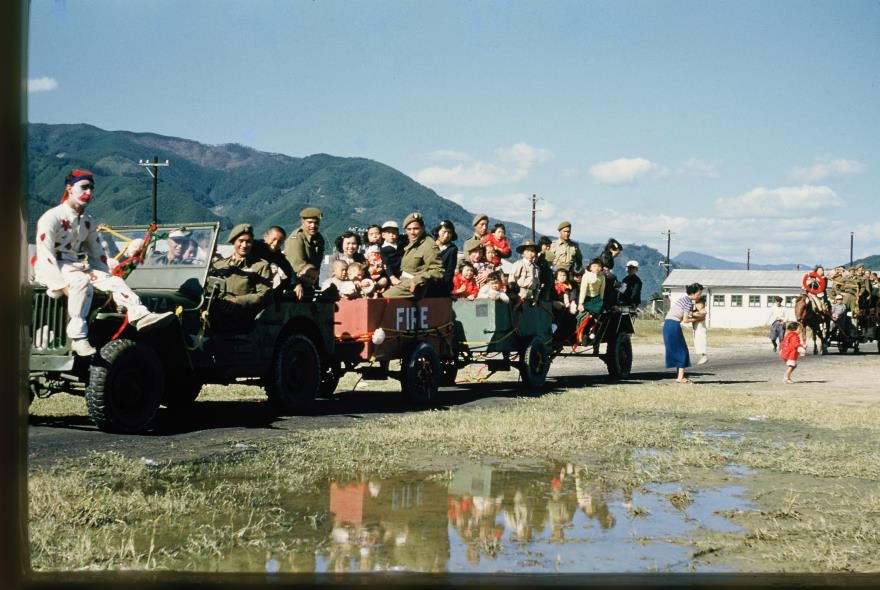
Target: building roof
<point x="757" y="279"/>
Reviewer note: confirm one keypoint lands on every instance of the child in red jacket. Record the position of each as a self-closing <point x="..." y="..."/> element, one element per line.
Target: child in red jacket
<point x="497" y="238"/>
<point x="464" y="285"/>
<point x="792" y="347"/>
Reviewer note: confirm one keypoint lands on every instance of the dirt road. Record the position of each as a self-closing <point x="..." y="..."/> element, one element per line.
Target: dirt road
<point x="745" y="366"/>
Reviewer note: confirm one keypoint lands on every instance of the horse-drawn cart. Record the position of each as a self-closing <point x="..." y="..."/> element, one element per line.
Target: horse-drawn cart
<point x="610" y="340"/>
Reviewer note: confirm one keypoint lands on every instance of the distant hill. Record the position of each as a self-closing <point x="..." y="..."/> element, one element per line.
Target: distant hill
<point x="232" y="184"/>
<point x="696" y="260"/>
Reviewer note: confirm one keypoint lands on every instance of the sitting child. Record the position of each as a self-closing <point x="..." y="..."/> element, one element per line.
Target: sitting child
<point x="477" y="258"/>
<point x="375" y="267"/>
<point x="492" y="289"/>
<point x="562" y="289"/>
<point x="590" y="299"/>
<point x="497" y="238"/>
<point x="357" y="273"/>
<point x="339" y="279"/>
<point x="463" y="282"/>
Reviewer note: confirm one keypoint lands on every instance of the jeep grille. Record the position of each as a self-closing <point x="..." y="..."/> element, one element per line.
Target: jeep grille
<point x="48" y="322"/>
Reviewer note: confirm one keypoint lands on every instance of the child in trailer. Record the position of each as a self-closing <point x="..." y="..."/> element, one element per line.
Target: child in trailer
<point x="497" y="238"/>
<point x="525" y="273"/>
<point x="590" y="300"/>
<point x="562" y="291"/>
<point x="357" y="273"/>
<point x="464" y="284"/>
<point x="477" y="257"/>
<point x="339" y="280"/>
<point x="792" y="348"/>
<point x="492" y="289"/>
<point x="373" y="256"/>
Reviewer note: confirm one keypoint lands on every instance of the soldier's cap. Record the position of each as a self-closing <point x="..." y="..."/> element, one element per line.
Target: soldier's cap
<point x="480" y="217"/>
<point x="414" y="216"/>
<point x="310" y="213"/>
<point x="179" y="233"/>
<point x="526" y="244"/>
<point x="476" y="245"/>
<point x="390" y="225"/>
<point x="562" y="225"/>
<point x="241" y="228"/>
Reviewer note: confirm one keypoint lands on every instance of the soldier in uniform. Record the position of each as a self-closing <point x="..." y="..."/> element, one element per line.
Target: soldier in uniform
<point x="563" y="252"/>
<point x="178" y="241"/>
<point x="420" y="265"/>
<point x="269" y="249"/>
<point x="248" y="282"/>
<point x="481" y="225"/>
<point x="306" y="245"/>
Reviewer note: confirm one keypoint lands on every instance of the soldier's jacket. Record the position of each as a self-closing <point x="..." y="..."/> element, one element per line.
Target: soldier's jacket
<point x="248" y="279"/>
<point x="565" y="255"/>
<point x="420" y="263"/>
<point x="302" y="249"/>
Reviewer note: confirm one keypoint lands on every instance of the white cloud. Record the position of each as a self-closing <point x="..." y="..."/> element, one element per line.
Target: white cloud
<point x="700" y="168"/>
<point x="43" y="84"/>
<point x="513" y="165"/>
<point x="785" y="201"/>
<point x="622" y="171"/>
<point x="447" y="155"/>
<point x="825" y="168"/>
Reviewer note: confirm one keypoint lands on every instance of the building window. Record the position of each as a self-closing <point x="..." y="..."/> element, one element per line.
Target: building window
<point x="736" y="301"/>
<point x="754" y="301"/>
<point x="717" y="300"/>
<point x="771" y="300"/>
<point x="789" y="300"/>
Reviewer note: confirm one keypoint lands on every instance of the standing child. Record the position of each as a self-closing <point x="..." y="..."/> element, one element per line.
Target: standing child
<point x="562" y="288"/>
<point x="698" y="323"/>
<point x="525" y="272"/>
<point x="792" y="347"/>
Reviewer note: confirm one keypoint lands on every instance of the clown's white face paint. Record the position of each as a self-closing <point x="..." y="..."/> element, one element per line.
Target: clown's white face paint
<point x="80" y="193"/>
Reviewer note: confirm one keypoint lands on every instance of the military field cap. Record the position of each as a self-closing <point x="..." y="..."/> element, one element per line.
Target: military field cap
<point x="527" y="244"/>
<point x="475" y="245"/>
<point x="414" y="216"/>
<point x="180" y="233"/>
<point x="480" y="217"/>
<point x="241" y="228"/>
<point x="562" y="225"/>
<point x="310" y="213"/>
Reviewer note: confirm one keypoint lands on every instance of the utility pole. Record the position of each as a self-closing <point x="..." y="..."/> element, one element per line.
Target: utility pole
<point x="851" y="249"/>
<point x="748" y="257"/>
<point x="534" y="210"/>
<point x="153" y="169"/>
<point x="668" y="243"/>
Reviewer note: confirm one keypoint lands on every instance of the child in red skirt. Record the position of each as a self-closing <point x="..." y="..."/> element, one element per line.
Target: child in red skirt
<point x="792" y="347"/>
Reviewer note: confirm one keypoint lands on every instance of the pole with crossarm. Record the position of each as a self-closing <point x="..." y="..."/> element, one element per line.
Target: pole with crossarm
<point x="153" y="169"/>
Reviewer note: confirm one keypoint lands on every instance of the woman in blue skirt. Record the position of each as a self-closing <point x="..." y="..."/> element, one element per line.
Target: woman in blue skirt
<point x="680" y="312"/>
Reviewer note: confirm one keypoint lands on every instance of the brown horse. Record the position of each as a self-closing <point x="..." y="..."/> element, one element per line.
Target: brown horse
<point x="813" y="313"/>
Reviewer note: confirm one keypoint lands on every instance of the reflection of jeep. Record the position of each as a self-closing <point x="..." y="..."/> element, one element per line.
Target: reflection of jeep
<point x="134" y="372"/>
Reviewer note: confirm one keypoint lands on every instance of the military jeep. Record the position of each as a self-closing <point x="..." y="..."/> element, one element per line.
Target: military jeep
<point x="282" y="349"/>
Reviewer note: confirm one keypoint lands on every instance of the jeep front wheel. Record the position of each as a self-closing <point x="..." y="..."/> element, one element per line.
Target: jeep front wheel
<point x="296" y="375"/>
<point x="125" y="387"/>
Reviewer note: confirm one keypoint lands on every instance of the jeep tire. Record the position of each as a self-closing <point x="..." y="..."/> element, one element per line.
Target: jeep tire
<point x="296" y="376"/>
<point x="126" y="381"/>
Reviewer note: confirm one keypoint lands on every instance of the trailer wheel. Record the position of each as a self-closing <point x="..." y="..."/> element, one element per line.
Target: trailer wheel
<point x="126" y="381"/>
<point x="420" y="375"/>
<point x="296" y="375"/>
<point x="619" y="356"/>
<point x="448" y="372"/>
<point x="535" y="362"/>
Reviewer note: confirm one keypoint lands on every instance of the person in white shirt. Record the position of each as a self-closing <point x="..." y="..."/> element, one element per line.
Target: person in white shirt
<point x="779" y="316"/>
<point x="70" y="261"/>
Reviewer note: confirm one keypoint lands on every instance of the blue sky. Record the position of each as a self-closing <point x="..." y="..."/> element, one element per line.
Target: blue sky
<point x="739" y="126"/>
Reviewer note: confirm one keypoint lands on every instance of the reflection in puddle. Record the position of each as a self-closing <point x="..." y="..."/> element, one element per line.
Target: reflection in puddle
<point x="484" y="519"/>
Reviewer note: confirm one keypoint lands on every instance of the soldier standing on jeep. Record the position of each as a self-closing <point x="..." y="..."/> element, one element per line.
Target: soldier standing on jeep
<point x="306" y="245"/>
<point x="70" y="261"/>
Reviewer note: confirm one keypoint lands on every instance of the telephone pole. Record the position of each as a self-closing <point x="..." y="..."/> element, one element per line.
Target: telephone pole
<point x="153" y="169"/>
<point x="534" y="210"/>
<point x="668" y="264"/>
<point x="851" y="248"/>
<point x="748" y="257"/>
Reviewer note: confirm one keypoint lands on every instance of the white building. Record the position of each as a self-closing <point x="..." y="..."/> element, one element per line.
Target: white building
<point x="738" y="298"/>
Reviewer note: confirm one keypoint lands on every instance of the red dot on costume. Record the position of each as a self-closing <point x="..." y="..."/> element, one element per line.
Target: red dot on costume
<point x="33" y="260"/>
<point x="42" y="237"/>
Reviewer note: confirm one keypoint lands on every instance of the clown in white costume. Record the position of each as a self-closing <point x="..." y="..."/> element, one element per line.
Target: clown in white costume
<point x="70" y="261"/>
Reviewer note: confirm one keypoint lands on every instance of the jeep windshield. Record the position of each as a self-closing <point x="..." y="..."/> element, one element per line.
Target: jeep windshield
<point x="177" y="256"/>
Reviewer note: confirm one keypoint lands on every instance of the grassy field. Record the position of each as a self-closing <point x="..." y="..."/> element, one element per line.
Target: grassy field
<point x="814" y="483"/>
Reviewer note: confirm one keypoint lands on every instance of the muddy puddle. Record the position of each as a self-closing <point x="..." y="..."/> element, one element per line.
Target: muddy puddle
<point x="484" y="518"/>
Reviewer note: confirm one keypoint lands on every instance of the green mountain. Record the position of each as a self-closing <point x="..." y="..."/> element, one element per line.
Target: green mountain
<point x="233" y="184"/>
